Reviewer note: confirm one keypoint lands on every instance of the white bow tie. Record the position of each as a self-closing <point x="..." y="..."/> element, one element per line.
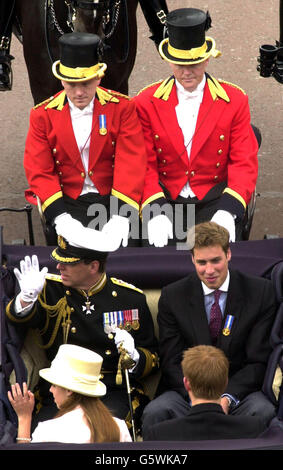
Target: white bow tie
<point x="187" y="95"/>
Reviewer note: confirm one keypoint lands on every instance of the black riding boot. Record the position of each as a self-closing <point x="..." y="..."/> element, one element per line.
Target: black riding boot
<point x="5" y="71"/>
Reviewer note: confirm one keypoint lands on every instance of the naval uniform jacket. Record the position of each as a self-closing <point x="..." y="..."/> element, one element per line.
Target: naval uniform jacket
<point x="183" y="324"/>
<point x="59" y="305"/>
<point x="206" y="421"/>
<point x="117" y="157"/>
<point x="224" y="147"/>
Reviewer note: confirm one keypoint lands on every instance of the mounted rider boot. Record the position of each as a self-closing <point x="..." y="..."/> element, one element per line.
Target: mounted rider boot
<point x="5" y="71"/>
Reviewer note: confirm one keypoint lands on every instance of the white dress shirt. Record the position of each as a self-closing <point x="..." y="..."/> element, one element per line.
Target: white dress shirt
<point x="209" y="297"/>
<point x="187" y="112"/>
<point x="82" y="127"/>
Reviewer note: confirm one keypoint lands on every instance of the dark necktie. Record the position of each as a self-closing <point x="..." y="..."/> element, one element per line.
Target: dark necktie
<point x="215" y="317"/>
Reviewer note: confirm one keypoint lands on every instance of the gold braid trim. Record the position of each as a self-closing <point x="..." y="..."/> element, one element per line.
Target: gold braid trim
<point x="151" y="361"/>
<point x="63" y="313"/>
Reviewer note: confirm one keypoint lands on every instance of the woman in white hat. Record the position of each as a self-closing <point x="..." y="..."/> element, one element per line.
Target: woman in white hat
<point x="76" y="388"/>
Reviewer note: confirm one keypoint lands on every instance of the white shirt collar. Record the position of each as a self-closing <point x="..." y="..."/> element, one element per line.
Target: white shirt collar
<point x="223" y="287"/>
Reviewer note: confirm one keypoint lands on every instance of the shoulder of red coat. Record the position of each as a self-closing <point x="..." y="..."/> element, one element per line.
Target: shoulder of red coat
<point x="232" y="85"/>
<point x="151" y="85"/>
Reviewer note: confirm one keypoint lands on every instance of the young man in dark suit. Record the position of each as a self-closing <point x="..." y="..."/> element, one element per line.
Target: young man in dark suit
<point x="205" y="369"/>
<point x="239" y="323"/>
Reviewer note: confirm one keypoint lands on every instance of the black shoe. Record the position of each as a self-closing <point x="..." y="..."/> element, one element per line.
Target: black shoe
<point x="6" y="72"/>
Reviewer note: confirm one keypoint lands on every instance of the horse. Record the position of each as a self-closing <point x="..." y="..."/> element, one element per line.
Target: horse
<point x="39" y="24"/>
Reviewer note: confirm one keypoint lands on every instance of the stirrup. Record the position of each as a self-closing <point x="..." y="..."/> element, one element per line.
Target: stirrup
<point x="6" y="73"/>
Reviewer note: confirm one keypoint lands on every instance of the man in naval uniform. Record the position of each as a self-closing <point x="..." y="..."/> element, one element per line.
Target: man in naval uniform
<point x="85" y="150"/>
<point x="83" y="306"/>
<point x="201" y="148"/>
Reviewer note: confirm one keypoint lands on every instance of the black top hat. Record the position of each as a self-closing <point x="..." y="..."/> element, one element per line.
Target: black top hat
<point x="69" y="254"/>
<point x="78" y="58"/>
<point x="186" y="42"/>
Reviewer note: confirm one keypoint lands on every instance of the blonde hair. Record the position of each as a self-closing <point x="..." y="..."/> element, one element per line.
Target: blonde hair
<point x="208" y="234"/>
<point x="206" y="368"/>
<point x="103" y="427"/>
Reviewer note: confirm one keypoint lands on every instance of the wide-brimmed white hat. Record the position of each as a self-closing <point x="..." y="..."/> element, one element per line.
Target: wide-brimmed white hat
<point x="77" y="369"/>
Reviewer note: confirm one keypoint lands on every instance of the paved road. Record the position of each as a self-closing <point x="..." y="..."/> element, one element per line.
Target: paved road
<point x="239" y="28"/>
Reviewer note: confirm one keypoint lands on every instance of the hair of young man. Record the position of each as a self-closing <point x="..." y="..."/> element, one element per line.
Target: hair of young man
<point x="206" y="368"/>
<point x="103" y="427"/>
<point x="208" y="234"/>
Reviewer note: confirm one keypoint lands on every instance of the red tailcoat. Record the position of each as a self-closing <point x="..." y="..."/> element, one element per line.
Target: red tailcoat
<point x="117" y="158"/>
<point x="224" y="147"/>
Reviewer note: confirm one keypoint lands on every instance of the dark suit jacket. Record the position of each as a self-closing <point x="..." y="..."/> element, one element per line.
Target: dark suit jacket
<point x="183" y="323"/>
<point x="204" y="422"/>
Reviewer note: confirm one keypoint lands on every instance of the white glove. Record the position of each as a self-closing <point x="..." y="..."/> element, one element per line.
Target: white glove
<point x="122" y="336"/>
<point x="160" y="229"/>
<point x="84" y="237"/>
<point x="118" y="225"/>
<point x="30" y="279"/>
<point x="227" y="221"/>
<point x="67" y="226"/>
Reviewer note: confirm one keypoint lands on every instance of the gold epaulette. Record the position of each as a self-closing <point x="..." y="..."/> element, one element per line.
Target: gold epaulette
<point x="164" y="89"/>
<point x="233" y="85"/>
<point x="148" y="86"/>
<point x="53" y="277"/>
<point x="43" y="102"/>
<point x="117" y="93"/>
<point x="104" y="96"/>
<point x="58" y="101"/>
<point x="121" y="283"/>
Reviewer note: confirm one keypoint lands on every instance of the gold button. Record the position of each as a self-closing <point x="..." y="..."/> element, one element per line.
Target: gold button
<point x="156" y="136"/>
<point x="110" y="336"/>
<point x="192" y="173"/>
<point x="108" y="352"/>
<point x="216" y="177"/>
<point x="73" y="329"/>
<point x="72" y="309"/>
<point x="54" y="150"/>
<point x="113" y="143"/>
<point x="217" y="164"/>
<point x="68" y="292"/>
<point x="82" y="174"/>
<point x="163" y="161"/>
<point x="186" y="172"/>
<point x="164" y="173"/>
<point x="114" y="293"/>
<point x="220" y="151"/>
<point x="61" y="185"/>
<point x="60" y="173"/>
<point x="113" y="156"/>
<point x="57" y="162"/>
<point x="90" y="173"/>
<point x="159" y="150"/>
<point x="113" y="165"/>
<point x="222" y="137"/>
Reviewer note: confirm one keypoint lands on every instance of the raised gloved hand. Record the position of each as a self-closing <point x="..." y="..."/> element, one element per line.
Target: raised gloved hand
<point x="160" y="229"/>
<point x="84" y="237"/>
<point x="226" y="220"/>
<point x="118" y="225"/>
<point x="30" y="278"/>
<point x="125" y="340"/>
